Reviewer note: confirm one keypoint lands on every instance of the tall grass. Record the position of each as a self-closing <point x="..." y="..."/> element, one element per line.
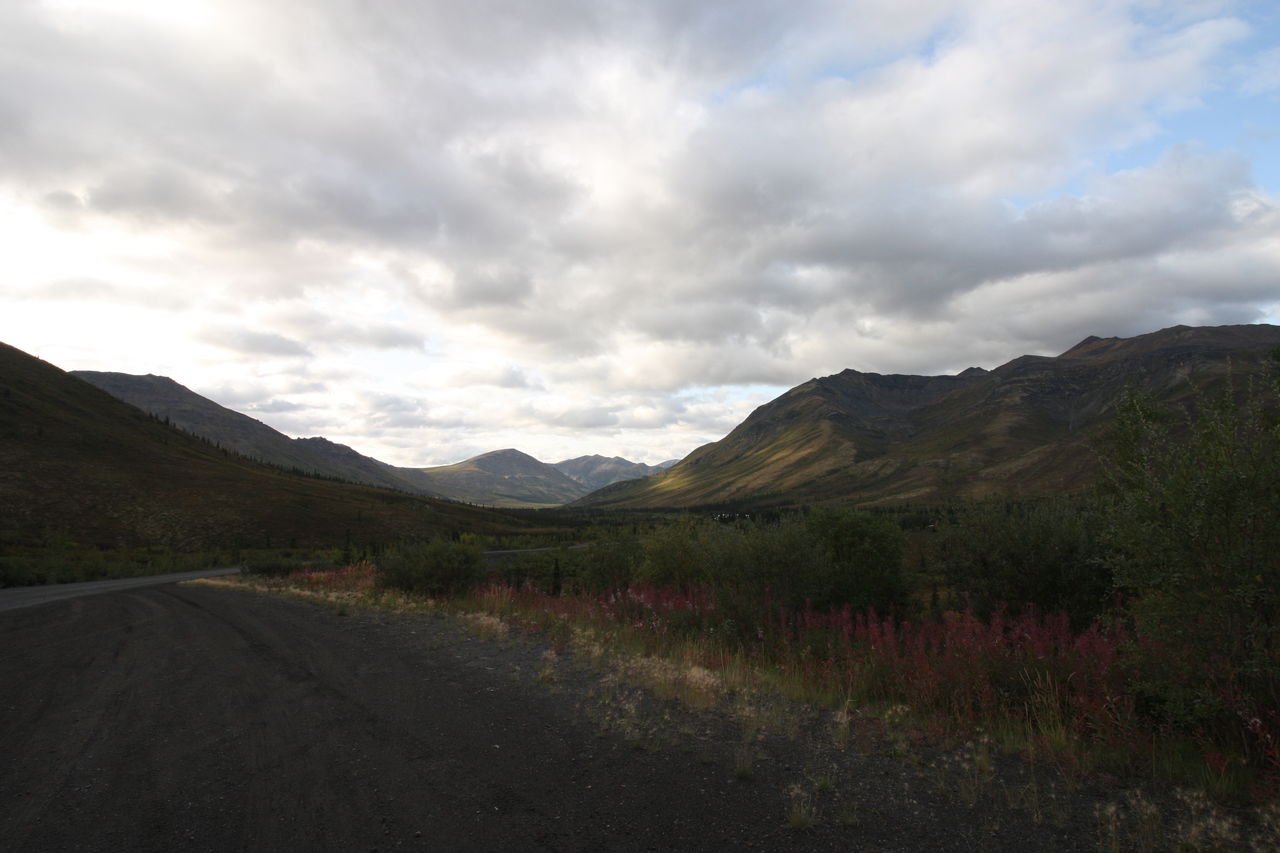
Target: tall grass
<point x="1060" y="694"/>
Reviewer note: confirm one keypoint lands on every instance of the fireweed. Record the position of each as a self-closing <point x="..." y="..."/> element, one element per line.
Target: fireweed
<point x="1056" y="693"/>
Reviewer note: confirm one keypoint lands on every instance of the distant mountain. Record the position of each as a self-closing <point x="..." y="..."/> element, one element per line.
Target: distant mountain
<point x="187" y="410"/>
<point x="596" y="472"/>
<point x="504" y="478"/>
<point x="79" y="465"/>
<point x="1024" y="429"/>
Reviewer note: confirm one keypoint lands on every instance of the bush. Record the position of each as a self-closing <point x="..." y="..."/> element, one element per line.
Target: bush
<point x="610" y="565"/>
<point x="1044" y="553"/>
<point x="438" y="567"/>
<point x="865" y="553"/>
<point x="1195" y="545"/>
<point x="684" y="555"/>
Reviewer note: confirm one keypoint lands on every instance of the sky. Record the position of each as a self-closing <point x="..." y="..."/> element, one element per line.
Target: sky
<point x="430" y="229"/>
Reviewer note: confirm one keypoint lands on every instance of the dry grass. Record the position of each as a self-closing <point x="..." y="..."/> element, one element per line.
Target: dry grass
<point x="699" y="675"/>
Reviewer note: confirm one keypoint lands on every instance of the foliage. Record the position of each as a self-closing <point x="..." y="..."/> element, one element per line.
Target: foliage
<point x="835" y="558"/>
<point x="1195" y="545"/>
<point x="61" y="559"/>
<point x="1044" y="553"/>
<point x="865" y="553"/>
<point x="438" y="567"/>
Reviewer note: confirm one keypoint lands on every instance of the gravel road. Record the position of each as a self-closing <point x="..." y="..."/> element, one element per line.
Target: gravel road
<point x="204" y="718"/>
<point x="30" y="596"/>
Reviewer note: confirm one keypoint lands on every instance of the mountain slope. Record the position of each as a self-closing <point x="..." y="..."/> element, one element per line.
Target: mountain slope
<point x="596" y="472"/>
<point x="184" y="408"/>
<point x="77" y="462"/>
<point x="1023" y="429"/>
<point x="505" y="478"/>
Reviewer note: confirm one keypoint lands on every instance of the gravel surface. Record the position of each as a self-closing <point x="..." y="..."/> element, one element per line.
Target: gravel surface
<point x="206" y="718"/>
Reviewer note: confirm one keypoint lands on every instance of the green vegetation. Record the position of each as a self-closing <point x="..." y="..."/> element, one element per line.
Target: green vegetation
<point x="1194" y="537"/>
<point x="94" y="487"/>
<point x="1131" y="632"/>
<point x="438" y="567"/>
<point x="1007" y="555"/>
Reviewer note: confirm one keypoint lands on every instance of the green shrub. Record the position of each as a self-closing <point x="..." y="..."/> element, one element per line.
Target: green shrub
<point x="865" y="553"/>
<point x="1194" y="533"/>
<point x="438" y="567"/>
<point x="1044" y="553"/>
<point x="608" y="565"/>
<point x="678" y="556"/>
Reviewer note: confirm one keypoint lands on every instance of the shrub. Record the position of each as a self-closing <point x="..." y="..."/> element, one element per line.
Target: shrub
<point x="1195" y="544"/>
<point x="611" y="564"/>
<point x="681" y="555"/>
<point x="438" y="567"/>
<point x="865" y="560"/>
<point x="1043" y="553"/>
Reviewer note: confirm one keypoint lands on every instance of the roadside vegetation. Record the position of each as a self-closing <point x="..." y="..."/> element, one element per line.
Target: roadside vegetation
<point x="1133" y="633"/>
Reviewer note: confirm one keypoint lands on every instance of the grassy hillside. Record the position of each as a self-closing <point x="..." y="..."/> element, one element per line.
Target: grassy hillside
<point x="184" y="408"/>
<point x="1024" y="429"/>
<point x="596" y="472"/>
<point x="504" y="478"/>
<point x="75" y="462"/>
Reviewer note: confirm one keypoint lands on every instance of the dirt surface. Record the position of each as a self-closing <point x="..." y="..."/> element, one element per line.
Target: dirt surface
<point x="30" y="596"/>
<point x="201" y="718"/>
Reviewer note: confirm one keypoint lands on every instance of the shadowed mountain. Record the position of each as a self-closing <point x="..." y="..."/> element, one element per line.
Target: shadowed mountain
<point x="1024" y="429"/>
<point x="506" y="478"/>
<point x="187" y="410"/>
<point x="77" y="462"/>
<point x="596" y="472"/>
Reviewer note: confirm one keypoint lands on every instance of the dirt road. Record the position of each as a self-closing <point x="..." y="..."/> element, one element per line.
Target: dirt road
<point x="199" y="718"/>
<point x="30" y="596"/>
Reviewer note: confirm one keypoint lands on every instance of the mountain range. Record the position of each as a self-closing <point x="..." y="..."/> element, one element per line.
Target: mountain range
<point x="502" y="478"/>
<point x="1027" y="428"/>
<point x="78" y="465"/>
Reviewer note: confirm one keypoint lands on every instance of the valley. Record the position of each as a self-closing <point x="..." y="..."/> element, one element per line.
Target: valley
<point x="907" y="563"/>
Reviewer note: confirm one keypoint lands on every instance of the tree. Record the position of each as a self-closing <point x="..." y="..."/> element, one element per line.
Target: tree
<point x="865" y="553"/>
<point x="1194" y="537"/>
<point x="1044" y="553"/>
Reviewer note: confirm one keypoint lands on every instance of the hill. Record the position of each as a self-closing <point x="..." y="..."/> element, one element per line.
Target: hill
<point x="184" y="408"/>
<point x="76" y="462"/>
<point x="1024" y="429"/>
<point x="505" y="478"/>
<point x="596" y="472"/>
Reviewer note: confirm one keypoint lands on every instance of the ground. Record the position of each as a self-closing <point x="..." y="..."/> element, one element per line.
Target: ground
<point x="211" y="718"/>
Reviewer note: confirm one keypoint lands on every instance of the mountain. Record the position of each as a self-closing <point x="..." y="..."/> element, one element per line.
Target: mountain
<point x="1024" y="429"/>
<point x="186" y="409"/>
<point x="596" y="472"/>
<point x="77" y="463"/>
<point x="505" y="478"/>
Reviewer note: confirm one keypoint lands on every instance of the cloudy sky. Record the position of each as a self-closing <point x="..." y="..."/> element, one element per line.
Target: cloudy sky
<point x="430" y="229"/>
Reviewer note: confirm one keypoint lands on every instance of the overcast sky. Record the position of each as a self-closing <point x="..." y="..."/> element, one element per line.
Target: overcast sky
<point x="429" y="229"/>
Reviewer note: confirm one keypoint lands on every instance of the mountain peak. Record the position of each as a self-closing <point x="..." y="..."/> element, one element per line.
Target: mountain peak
<point x="1022" y="430"/>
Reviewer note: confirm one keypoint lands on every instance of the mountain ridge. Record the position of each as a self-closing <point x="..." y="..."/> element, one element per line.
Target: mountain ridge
<point x="483" y="479"/>
<point x="1022" y="429"/>
<point x="596" y="471"/>
<point x="78" y="464"/>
